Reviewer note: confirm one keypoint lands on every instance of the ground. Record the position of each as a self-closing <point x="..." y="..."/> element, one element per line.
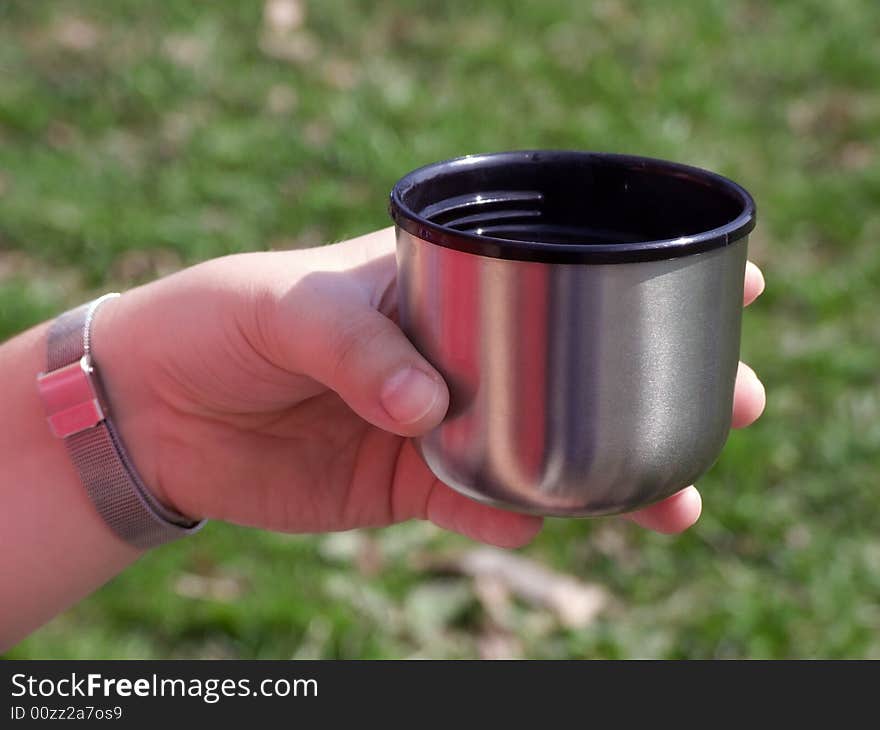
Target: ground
<point x="136" y="138"/>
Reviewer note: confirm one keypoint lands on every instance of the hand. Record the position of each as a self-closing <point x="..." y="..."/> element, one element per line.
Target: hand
<point x="275" y="390"/>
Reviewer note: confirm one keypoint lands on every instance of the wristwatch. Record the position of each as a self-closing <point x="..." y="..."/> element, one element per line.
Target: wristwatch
<point x="78" y="413"/>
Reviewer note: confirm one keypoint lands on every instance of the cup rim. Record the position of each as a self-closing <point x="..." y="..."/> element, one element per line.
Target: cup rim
<point x="730" y="232"/>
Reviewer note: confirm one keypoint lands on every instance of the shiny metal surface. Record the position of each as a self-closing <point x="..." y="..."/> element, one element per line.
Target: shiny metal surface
<point x="576" y="389"/>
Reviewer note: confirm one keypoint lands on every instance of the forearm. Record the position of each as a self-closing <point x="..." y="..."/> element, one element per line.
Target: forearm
<point x="55" y="548"/>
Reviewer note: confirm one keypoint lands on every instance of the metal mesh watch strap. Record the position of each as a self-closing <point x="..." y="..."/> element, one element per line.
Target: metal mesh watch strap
<point x="106" y="470"/>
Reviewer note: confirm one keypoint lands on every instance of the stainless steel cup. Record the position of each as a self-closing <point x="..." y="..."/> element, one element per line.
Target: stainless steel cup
<point x="585" y="311"/>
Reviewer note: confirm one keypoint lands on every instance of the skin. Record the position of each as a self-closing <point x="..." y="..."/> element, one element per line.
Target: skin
<point x="272" y="390"/>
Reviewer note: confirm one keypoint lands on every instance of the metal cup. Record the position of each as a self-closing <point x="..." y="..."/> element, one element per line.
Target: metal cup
<point x="585" y="310"/>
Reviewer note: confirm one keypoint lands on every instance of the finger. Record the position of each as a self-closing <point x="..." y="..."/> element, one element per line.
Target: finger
<point x="368" y="260"/>
<point x="337" y="338"/>
<point x="353" y="253"/>
<point x="754" y="284"/>
<point x="372" y="245"/>
<point x="749" y="397"/>
<point x="672" y="515"/>
<point x="452" y="511"/>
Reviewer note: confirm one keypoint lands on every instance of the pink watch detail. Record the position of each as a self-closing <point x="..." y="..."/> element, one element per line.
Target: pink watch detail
<point x="71" y="398"/>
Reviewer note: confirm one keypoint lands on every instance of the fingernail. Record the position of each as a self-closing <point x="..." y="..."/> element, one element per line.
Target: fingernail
<point x="743" y="368"/>
<point x="409" y="395"/>
<point x="758" y="274"/>
<point x="749" y="373"/>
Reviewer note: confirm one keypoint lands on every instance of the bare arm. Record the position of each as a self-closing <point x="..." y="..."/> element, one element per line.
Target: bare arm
<point x="55" y="549"/>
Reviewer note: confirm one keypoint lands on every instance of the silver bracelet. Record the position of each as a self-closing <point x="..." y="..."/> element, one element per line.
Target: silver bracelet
<point x="78" y="412"/>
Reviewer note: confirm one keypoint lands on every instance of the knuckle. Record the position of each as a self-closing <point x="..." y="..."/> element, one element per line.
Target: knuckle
<point x="358" y="336"/>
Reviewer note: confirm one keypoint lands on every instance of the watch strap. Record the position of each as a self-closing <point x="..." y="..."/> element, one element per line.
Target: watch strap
<point x="105" y="468"/>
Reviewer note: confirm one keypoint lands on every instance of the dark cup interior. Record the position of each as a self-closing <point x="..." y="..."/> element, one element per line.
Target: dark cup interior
<point x="571" y="206"/>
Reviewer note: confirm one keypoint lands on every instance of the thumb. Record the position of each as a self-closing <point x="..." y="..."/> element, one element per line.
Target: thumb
<point x="344" y="343"/>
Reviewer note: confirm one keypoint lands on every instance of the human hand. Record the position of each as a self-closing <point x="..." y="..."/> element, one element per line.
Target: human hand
<point x="275" y="390"/>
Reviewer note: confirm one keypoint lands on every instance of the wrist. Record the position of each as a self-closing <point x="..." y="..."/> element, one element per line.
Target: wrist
<point x="119" y="355"/>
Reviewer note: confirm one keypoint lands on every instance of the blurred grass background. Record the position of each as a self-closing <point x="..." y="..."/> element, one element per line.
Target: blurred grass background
<point x="136" y="138"/>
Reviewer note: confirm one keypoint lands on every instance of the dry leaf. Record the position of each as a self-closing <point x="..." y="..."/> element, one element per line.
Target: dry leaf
<point x="856" y="156"/>
<point x="141" y="265"/>
<point x="14" y="263"/>
<point x="223" y="589"/>
<point x="798" y="537"/>
<point x="316" y="134"/>
<point x="185" y="50"/>
<point x="66" y="281"/>
<point x="495" y="644"/>
<point x="431" y="607"/>
<point x="315" y="639"/>
<point x="340" y="74"/>
<point x="369" y="600"/>
<point x="611" y="538"/>
<point x="61" y="135"/>
<point x="308" y="238"/>
<point x="299" y="47"/>
<point x="340" y="547"/>
<point x="75" y="34"/>
<point x="283" y="37"/>
<point x="281" y="99"/>
<point x="283" y="16"/>
<point x="353" y="546"/>
<point x="369" y="559"/>
<point x="494" y="597"/>
<point x="575" y="603"/>
<point x="823" y="114"/>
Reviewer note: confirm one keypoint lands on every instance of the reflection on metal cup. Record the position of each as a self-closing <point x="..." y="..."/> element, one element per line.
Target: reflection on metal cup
<point x="585" y="311"/>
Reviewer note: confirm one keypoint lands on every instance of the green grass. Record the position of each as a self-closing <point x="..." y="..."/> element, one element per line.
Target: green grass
<point x="137" y="137"/>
